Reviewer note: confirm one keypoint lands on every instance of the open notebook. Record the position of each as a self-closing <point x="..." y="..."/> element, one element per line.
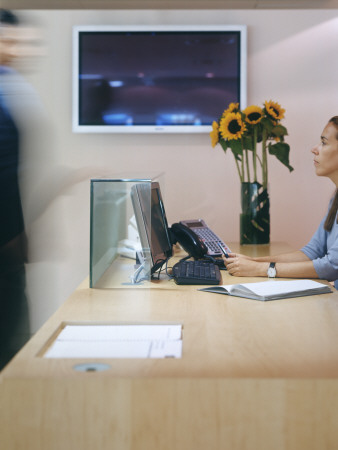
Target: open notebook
<point x="271" y="290"/>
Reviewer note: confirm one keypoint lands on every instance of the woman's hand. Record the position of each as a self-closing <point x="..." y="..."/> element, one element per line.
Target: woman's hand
<point x="243" y="266"/>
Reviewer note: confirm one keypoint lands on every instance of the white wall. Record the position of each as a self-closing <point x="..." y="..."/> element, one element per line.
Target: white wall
<point x="292" y="59"/>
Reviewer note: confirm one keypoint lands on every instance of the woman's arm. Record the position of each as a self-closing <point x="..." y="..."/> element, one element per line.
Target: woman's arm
<point x="296" y="256"/>
<point x="288" y="265"/>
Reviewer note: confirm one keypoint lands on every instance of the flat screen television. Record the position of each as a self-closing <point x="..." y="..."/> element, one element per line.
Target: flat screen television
<point x="156" y="78"/>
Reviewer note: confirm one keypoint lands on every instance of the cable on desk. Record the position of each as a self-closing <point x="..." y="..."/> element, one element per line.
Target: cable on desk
<point x="134" y="278"/>
<point x="159" y="270"/>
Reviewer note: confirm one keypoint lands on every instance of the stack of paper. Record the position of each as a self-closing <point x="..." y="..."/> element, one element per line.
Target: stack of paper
<point x="117" y="341"/>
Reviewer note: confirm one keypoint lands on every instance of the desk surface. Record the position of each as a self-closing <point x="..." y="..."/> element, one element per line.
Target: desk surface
<point x="241" y="358"/>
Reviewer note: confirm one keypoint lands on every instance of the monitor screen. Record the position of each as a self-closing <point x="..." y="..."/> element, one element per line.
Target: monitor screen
<point x="156" y="79"/>
<point x="152" y="224"/>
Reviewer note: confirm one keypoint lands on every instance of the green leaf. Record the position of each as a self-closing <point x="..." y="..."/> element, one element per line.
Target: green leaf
<point x="267" y="124"/>
<point x="279" y="130"/>
<point x="224" y="144"/>
<point x="248" y="142"/>
<point x="281" y="150"/>
<point x="236" y="148"/>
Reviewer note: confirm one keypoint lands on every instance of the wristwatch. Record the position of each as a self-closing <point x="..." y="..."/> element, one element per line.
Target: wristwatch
<point x="272" y="270"/>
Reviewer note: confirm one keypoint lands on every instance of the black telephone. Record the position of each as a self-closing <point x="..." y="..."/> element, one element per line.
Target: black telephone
<point x="189" y="240"/>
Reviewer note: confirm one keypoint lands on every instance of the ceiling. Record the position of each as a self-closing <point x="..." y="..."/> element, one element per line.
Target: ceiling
<point x="169" y="4"/>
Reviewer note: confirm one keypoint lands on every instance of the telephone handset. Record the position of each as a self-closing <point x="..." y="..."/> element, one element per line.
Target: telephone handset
<point x="189" y="240"/>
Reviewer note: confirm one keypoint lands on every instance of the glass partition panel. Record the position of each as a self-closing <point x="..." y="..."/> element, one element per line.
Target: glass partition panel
<point x="119" y="248"/>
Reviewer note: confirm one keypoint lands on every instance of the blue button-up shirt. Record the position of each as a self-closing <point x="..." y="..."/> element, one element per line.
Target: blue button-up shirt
<point x="323" y="251"/>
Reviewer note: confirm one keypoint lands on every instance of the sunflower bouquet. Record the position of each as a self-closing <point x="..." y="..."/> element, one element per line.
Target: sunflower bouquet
<point x="241" y="131"/>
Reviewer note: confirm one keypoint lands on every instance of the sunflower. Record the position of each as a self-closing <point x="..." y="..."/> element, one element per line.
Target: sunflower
<point x="253" y="114"/>
<point x="214" y="134"/>
<point x="274" y="110"/>
<point x="232" y="126"/>
<point x="231" y="108"/>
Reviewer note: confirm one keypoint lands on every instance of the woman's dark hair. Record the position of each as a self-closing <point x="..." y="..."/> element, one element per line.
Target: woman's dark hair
<point x="8" y="18"/>
<point x="334" y="120"/>
<point x="334" y="206"/>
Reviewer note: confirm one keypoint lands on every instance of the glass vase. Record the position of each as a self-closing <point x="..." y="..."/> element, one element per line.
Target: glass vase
<point x="255" y="215"/>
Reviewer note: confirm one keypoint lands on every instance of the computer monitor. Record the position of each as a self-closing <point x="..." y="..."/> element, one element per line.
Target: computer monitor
<point x="152" y="223"/>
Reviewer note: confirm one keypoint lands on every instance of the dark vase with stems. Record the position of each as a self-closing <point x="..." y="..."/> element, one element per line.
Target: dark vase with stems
<point x="255" y="202"/>
<point x="255" y="215"/>
<point x="241" y="131"/>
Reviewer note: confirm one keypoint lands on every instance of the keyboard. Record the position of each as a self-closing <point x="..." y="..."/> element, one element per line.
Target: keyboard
<point x="196" y="272"/>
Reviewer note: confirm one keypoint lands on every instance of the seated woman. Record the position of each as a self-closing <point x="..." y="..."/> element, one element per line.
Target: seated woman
<point x="319" y="258"/>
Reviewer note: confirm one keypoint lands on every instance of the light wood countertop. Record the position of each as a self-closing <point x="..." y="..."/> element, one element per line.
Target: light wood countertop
<point x="253" y="375"/>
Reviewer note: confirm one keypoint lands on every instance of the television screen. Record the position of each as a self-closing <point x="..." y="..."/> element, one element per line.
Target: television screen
<point x="156" y="79"/>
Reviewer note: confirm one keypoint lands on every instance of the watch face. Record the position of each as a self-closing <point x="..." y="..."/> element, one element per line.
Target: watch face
<point x="271" y="272"/>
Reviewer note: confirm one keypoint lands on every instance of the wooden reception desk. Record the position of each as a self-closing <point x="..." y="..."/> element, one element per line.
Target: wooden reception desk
<point x="253" y="375"/>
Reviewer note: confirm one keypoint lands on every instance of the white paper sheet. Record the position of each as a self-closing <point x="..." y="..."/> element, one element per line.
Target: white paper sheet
<point x="120" y="332"/>
<point x="117" y="341"/>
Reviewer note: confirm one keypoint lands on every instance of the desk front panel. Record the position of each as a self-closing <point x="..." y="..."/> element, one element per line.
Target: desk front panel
<point x="93" y="412"/>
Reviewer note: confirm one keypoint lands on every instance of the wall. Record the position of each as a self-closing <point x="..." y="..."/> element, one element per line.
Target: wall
<point x="291" y="59"/>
